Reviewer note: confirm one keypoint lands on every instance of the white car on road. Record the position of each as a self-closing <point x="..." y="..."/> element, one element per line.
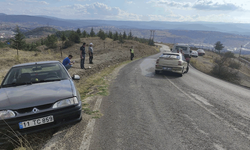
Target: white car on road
<point x="194" y="54"/>
<point x="171" y="62"/>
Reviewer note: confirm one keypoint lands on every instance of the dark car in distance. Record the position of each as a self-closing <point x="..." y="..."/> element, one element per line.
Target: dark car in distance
<point x="37" y="96"/>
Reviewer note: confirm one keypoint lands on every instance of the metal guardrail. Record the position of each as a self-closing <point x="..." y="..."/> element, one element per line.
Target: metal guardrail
<point x="244" y="60"/>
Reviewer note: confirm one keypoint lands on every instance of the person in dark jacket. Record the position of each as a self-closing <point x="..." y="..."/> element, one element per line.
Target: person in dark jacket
<point x="132" y="53"/>
<point x="83" y="53"/>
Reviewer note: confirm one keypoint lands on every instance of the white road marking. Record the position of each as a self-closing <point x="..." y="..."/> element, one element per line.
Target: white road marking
<point x="195" y="125"/>
<point x="218" y="147"/>
<point x="209" y="111"/>
<point x="90" y="128"/>
<point x="203" y="100"/>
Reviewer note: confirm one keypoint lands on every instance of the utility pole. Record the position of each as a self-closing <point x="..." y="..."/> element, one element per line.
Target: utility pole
<point x="104" y="45"/>
<point x="240" y="51"/>
<point x="153" y="34"/>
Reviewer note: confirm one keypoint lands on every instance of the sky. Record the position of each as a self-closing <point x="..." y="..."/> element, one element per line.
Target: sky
<point x="236" y="11"/>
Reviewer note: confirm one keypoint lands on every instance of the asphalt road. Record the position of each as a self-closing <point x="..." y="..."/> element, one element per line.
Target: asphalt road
<point x="167" y="112"/>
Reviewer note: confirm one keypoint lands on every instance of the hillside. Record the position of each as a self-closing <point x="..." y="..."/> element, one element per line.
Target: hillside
<point x="205" y="64"/>
<point x="35" y="21"/>
<point x="205" y="39"/>
<point x="113" y="53"/>
<point x="194" y="33"/>
<point x="40" y="31"/>
<point x="161" y="25"/>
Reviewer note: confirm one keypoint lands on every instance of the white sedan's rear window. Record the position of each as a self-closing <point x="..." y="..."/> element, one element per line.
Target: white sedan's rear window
<point x="171" y="56"/>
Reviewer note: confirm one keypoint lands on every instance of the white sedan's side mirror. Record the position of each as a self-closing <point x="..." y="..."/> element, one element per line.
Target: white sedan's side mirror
<point x="76" y="77"/>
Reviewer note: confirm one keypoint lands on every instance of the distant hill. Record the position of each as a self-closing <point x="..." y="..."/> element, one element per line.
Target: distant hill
<point x="40" y="31"/>
<point x="234" y="28"/>
<point x="203" y="34"/>
<point x="186" y="36"/>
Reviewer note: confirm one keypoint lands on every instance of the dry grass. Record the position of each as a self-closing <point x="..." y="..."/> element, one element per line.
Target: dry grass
<point x="205" y="64"/>
<point x="113" y="51"/>
<point x="8" y="58"/>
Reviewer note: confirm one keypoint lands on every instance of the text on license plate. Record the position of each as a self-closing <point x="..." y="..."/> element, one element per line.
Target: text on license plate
<point x="36" y="122"/>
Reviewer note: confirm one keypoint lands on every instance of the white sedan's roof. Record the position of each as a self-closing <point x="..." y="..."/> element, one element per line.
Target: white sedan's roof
<point x="170" y="53"/>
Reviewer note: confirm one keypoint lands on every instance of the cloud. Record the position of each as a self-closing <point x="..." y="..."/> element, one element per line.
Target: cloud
<point x="34" y="1"/>
<point x="95" y="8"/>
<point x="198" y="5"/>
<point x="174" y="4"/>
<point x="209" y="5"/>
<point x="130" y="2"/>
<point x="102" y="11"/>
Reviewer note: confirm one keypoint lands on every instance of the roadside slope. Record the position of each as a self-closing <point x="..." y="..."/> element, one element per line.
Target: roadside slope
<point x="109" y="57"/>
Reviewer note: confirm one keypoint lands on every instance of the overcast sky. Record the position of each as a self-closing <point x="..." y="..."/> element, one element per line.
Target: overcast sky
<point x="237" y="11"/>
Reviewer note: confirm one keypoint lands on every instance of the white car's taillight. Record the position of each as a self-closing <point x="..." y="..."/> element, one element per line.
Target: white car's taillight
<point x="157" y="61"/>
<point x="180" y="63"/>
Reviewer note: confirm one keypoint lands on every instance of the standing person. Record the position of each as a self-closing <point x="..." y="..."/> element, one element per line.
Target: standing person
<point x="83" y="53"/>
<point x="91" y="53"/>
<point x="132" y="53"/>
<point x="67" y="63"/>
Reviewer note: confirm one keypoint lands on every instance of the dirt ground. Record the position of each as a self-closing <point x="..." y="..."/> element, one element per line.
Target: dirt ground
<point x="90" y="85"/>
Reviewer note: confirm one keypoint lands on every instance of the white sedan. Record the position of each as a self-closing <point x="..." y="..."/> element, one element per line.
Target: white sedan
<point x="194" y="54"/>
<point x="171" y="62"/>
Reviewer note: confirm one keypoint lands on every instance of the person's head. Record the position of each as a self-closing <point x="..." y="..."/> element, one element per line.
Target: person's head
<point x="83" y="44"/>
<point x="91" y="44"/>
<point x="70" y="56"/>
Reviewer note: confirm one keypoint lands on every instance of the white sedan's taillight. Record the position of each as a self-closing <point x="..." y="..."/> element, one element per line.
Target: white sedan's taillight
<point x="157" y="61"/>
<point x="179" y="63"/>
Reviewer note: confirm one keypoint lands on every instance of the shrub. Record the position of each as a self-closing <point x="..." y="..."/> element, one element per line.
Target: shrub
<point x="74" y="37"/>
<point x="3" y="44"/>
<point x="51" y="40"/>
<point x="229" y="55"/>
<point x="226" y="73"/>
<point x="225" y="68"/>
<point x="68" y="44"/>
<point x="234" y="65"/>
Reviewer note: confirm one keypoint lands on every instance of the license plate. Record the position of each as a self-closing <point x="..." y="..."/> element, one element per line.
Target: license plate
<point x="36" y="122"/>
<point x="166" y="68"/>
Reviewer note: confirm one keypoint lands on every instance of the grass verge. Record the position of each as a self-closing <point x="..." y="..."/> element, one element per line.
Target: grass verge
<point x="98" y="84"/>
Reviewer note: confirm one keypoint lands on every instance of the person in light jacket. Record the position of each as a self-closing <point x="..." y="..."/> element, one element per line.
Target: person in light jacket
<point x="91" y="53"/>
